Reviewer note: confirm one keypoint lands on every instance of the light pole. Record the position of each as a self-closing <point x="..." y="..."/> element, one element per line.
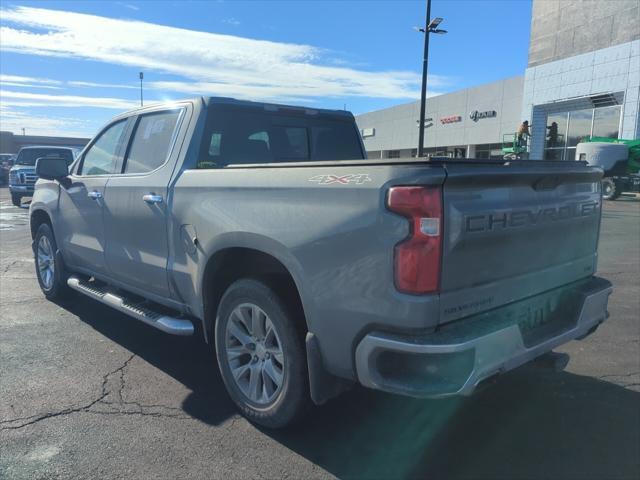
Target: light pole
<point x="141" y="77"/>
<point x="431" y="27"/>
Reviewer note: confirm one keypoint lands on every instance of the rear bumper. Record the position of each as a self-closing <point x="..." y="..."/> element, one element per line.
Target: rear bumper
<point x="455" y="358"/>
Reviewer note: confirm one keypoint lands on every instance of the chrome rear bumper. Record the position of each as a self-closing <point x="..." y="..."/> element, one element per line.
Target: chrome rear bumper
<point x="453" y="360"/>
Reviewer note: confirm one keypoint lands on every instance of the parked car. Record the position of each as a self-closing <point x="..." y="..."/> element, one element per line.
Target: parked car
<point x="6" y="162"/>
<point x="267" y="230"/>
<point x="22" y="176"/>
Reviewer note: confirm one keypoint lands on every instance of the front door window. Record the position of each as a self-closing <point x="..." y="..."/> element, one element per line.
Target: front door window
<point x="102" y="156"/>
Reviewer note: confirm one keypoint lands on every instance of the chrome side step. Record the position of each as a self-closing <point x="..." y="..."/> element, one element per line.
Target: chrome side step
<point x="174" y="326"/>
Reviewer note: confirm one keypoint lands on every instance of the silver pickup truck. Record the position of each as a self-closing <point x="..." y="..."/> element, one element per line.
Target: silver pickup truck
<point x="267" y="230"/>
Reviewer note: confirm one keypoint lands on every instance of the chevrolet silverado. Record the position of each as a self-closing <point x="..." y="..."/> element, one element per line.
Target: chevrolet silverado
<point x="309" y="267"/>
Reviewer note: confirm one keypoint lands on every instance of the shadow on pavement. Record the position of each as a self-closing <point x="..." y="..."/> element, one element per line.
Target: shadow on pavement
<point x="530" y="423"/>
<point x="187" y="359"/>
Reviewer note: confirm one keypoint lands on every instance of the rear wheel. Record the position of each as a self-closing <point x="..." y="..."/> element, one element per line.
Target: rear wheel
<point x="261" y="355"/>
<point x="610" y="189"/>
<point x="16" y="200"/>
<point x="49" y="269"/>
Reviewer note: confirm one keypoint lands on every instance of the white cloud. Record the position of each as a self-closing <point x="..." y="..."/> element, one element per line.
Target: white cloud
<point x="15" y="121"/>
<point x="28" y="82"/>
<point x="231" y="21"/>
<point x="130" y="6"/>
<point x="10" y="98"/>
<point x="76" y="83"/>
<point x="220" y="64"/>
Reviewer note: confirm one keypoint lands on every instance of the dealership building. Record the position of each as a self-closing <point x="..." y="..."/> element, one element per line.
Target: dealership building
<point x="582" y="79"/>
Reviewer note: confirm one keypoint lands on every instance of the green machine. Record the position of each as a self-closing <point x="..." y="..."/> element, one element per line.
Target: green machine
<point x="512" y="148"/>
<point x="620" y="160"/>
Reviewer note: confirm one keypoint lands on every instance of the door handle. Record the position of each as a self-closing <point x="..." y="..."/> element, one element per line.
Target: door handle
<point x="94" y="194"/>
<point x="152" y="198"/>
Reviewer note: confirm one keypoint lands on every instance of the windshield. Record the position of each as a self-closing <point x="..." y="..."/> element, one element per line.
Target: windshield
<point x="28" y="156"/>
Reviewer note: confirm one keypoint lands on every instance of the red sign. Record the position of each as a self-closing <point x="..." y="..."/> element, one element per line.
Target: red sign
<point x="451" y="119"/>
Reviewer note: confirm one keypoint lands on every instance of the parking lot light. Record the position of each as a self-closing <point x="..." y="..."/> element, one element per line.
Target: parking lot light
<point x="141" y="77"/>
<point x="431" y="27"/>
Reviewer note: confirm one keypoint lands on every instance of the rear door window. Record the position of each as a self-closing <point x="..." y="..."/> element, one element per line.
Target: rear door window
<point x="151" y="143"/>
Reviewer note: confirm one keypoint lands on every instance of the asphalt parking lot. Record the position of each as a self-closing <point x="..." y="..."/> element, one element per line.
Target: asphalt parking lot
<point x="86" y="392"/>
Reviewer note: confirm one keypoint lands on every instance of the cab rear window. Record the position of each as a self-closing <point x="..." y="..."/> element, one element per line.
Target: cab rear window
<point x="237" y="135"/>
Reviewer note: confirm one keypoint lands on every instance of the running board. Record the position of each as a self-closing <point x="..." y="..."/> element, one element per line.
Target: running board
<point x="167" y="324"/>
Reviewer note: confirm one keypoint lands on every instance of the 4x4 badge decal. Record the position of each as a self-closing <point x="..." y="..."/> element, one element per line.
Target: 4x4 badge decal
<point x="357" y="178"/>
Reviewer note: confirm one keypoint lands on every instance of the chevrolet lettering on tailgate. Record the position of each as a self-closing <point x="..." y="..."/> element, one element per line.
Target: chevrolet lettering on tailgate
<point x="524" y="218"/>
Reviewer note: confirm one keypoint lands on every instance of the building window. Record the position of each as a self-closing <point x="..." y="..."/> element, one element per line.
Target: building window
<point x="393" y="154"/>
<point x="566" y="129"/>
<point x="579" y="126"/>
<point x="606" y="122"/>
<point x="489" y="151"/>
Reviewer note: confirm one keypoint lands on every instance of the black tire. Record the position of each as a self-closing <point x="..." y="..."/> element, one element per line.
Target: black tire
<point x="292" y="399"/>
<point x="610" y="189"/>
<point x="16" y="200"/>
<point x="55" y="287"/>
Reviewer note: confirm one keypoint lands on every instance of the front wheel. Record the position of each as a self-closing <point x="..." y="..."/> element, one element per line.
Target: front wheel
<point x="610" y="189"/>
<point x="261" y="355"/>
<point x="49" y="269"/>
<point x="16" y="200"/>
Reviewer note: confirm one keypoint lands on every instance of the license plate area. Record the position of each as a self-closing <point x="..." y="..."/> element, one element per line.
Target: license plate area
<point x="548" y="316"/>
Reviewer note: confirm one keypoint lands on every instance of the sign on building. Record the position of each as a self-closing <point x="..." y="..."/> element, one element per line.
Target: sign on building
<point x="477" y="115"/>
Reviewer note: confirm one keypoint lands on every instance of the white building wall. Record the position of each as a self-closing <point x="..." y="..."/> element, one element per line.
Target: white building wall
<point x="609" y="70"/>
<point x="396" y="128"/>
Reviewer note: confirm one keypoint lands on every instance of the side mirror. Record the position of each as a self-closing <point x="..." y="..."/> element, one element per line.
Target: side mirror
<point x="52" y="168"/>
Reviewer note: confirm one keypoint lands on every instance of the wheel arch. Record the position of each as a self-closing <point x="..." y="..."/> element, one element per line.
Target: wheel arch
<point x="37" y="218"/>
<point x="232" y="263"/>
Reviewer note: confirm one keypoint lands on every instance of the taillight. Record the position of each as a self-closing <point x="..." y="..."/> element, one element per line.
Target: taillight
<point x="417" y="258"/>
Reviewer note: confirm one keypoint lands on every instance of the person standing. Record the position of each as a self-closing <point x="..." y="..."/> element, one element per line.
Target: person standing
<point x="552" y="139"/>
<point x="523" y="133"/>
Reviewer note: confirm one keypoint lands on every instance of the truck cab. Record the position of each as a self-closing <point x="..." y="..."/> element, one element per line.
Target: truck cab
<point x="22" y="176"/>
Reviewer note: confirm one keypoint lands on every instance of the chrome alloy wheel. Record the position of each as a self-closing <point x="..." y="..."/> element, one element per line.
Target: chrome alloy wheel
<point x="254" y="353"/>
<point x="46" y="262"/>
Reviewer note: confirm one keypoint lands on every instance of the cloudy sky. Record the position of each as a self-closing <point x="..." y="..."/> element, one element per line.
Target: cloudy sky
<point x="67" y="67"/>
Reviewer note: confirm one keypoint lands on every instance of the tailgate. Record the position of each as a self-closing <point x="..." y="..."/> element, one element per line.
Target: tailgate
<point x="515" y="230"/>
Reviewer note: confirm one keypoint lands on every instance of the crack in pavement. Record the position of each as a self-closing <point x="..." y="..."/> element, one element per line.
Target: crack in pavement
<point x="4" y="303"/>
<point x="105" y="391"/>
<point x="13" y="263"/>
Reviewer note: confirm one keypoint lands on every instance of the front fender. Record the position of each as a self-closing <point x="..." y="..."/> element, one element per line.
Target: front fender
<point x="45" y="199"/>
